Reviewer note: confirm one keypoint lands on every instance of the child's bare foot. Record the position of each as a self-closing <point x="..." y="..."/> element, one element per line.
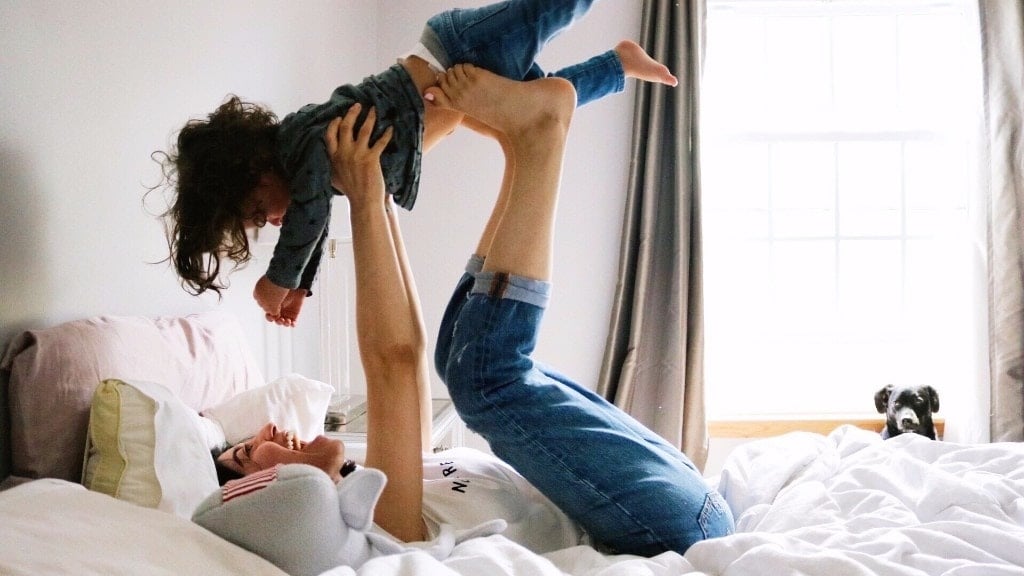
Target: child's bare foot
<point x="504" y="105"/>
<point x="636" y="63"/>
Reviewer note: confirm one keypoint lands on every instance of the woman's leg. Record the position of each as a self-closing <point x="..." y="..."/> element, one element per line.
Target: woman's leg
<point x="629" y="489"/>
<point x="532" y="99"/>
<point x="534" y="118"/>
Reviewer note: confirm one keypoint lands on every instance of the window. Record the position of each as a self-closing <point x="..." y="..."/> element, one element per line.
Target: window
<point x="837" y="161"/>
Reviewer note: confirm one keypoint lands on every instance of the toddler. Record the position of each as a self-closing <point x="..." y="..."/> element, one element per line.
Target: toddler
<point x="241" y="168"/>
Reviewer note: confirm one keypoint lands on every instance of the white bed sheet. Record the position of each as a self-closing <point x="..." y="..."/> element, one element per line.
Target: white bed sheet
<point x="57" y="527"/>
<point x="846" y="504"/>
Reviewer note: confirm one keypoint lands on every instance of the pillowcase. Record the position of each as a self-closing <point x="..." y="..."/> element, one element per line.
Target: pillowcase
<point x="146" y="447"/>
<point x="292" y="402"/>
<point x="204" y="359"/>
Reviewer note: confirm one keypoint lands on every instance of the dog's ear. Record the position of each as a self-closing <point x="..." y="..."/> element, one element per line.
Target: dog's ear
<point x="882" y="398"/>
<point x="933" y="397"/>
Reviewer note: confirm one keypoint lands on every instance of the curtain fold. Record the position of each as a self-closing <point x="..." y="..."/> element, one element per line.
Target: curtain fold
<point x="653" y="362"/>
<point x="1002" y="33"/>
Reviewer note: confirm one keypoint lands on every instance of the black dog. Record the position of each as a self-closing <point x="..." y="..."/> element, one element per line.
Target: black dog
<point x="907" y="409"/>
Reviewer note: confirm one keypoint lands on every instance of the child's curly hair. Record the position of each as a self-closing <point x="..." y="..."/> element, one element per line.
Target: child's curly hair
<point x="216" y="165"/>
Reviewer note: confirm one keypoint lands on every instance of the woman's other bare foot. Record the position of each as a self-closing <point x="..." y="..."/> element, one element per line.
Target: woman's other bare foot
<point x="505" y="105"/>
<point x="636" y="63"/>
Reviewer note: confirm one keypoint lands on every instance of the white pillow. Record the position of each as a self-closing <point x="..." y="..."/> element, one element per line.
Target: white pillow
<point x="146" y="447"/>
<point x="292" y="402"/>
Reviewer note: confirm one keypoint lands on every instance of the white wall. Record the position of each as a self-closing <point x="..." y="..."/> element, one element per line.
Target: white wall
<point x="90" y="89"/>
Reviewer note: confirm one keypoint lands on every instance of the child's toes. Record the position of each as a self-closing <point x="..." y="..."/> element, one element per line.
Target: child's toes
<point x="436" y="95"/>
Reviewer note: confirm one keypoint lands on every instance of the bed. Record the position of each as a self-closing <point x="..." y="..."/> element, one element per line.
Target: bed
<point x="845" y="503"/>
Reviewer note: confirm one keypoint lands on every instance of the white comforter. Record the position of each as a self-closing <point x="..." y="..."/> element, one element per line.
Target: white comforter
<point x="842" y="505"/>
<point x="847" y="504"/>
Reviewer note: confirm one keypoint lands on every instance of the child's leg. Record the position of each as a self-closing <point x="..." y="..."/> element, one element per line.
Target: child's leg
<point x="504" y="37"/>
<point x="606" y="73"/>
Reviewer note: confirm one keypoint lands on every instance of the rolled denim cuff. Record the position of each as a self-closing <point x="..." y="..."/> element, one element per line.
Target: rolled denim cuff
<point x="475" y="265"/>
<point x="512" y="287"/>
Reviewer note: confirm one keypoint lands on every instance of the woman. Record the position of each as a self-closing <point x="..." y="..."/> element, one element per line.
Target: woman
<point x="461" y="487"/>
<point x="621" y="484"/>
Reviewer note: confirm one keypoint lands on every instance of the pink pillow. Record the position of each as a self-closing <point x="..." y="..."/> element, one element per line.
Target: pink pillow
<point x="204" y="359"/>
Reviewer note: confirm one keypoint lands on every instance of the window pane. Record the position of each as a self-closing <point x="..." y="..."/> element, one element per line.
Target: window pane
<point x="936" y="174"/>
<point x="930" y="47"/>
<point x="739" y="266"/>
<point x="870" y="194"/>
<point x="736" y="69"/>
<point x="803" y="284"/>
<point x="803" y="189"/>
<point x="870" y="283"/>
<point x="865" y="71"/>
<point x="798" y="74"/>
<point x="737" y="173"/>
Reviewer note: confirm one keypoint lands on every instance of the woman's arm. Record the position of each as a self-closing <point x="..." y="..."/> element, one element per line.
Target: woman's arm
<point x="391" y="343"/>
<point x="416" y="322"/>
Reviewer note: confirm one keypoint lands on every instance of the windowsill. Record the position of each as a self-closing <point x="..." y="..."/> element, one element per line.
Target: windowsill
<point x="775" y="424"/>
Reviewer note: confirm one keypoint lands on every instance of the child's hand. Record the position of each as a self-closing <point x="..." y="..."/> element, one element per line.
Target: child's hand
<point x="291" y="307"/>
<point x="269" y="296"/>
<point x="355" y="164"/>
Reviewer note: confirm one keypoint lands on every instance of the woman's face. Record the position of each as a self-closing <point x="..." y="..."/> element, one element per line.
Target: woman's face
<point x="271" y="446"/>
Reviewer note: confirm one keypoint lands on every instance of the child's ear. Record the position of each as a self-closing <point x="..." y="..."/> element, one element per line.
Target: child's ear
<point x="357" y="496"/>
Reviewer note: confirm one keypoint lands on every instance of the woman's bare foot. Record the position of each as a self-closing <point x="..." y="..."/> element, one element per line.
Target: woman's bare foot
<point x="482" y="129"/>
<point x="636" y="63"/>
<point x="504" y="105"/>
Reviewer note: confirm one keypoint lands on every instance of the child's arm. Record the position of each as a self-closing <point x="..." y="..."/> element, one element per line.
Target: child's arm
<point x="290" y="308"/>
<point x="304" y="228"/>
<point x="269" y="296"/>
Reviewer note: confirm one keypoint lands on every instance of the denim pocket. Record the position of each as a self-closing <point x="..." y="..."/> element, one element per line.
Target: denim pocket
<point x="715" y="517"/>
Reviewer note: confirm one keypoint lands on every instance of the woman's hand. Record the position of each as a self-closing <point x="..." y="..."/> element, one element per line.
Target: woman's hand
<point x="355" y="164"/>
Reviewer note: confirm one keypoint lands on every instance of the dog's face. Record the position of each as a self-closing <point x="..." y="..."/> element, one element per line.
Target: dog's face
<point x="907" y="409"/>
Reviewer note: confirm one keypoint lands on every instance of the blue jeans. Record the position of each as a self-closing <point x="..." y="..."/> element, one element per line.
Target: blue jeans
<point x="506" y="37"/>
<point x="629" y="489"/>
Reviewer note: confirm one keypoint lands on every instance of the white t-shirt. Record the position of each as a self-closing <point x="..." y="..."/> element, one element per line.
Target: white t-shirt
<point x="466" y="487"/>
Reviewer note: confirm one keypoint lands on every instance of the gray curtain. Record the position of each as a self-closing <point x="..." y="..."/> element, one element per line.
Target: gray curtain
<point x="1002" y="32"/>
<point x="653" y="363"/>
